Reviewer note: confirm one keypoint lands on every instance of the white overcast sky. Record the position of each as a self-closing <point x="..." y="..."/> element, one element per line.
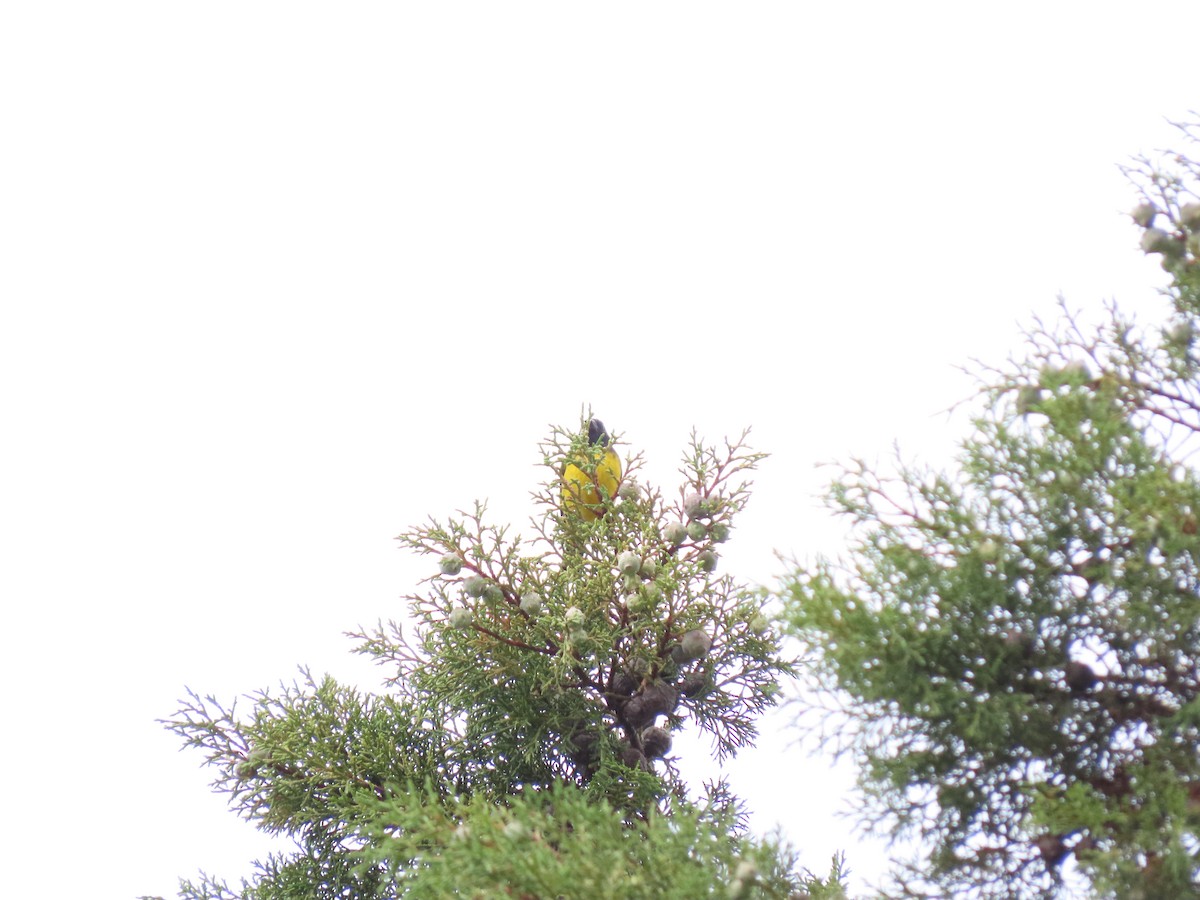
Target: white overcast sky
<point x="281" y="279"/>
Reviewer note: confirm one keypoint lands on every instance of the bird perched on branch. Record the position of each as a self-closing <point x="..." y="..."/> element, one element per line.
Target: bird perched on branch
<point x="591" y="477"/>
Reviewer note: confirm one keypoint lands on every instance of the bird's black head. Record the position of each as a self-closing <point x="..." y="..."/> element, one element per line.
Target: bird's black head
<point x="597" y="433"/>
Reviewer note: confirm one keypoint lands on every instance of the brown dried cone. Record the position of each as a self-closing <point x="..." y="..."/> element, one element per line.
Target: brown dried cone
<point x="1017" y="640"/>
<point x="661" y="698"/>
<point x="624" y="684"/>
<point x="634" y="758"/>
<point x="1051" y="847"/>
<point x="584" y="746"/>
<point x="693" y="684"/>
<point x="656" y="699"/>
<point x="1117" y="785"/>
<point x="1080" y="676"/>
<point x="656" y="742"/>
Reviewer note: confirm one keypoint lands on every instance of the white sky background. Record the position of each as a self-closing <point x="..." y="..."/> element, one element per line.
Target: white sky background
<point x="279" y="280"/>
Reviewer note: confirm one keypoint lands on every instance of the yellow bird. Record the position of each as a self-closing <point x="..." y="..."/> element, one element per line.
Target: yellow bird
<point x="589" y="492"/>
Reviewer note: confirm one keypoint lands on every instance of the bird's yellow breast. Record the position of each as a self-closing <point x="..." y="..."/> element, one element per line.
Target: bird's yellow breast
<point x="586" y="493"/>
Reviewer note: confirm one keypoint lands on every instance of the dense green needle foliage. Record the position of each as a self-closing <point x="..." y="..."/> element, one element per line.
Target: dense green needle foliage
<point x="523" y="748"/>
<point x="561" y="843"/>
<point x="1011" y="651"/>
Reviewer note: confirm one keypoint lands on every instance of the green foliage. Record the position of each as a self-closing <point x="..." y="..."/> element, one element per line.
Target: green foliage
<point x="523" y="748"/>
<point x="1014" y="646"/>
<point x="559" y="843"/>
